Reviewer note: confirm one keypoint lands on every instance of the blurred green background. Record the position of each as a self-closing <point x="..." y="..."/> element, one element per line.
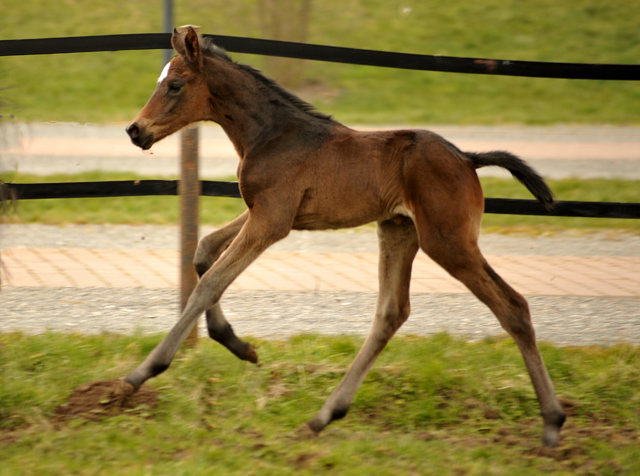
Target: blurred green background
<point x="112" y="87"/>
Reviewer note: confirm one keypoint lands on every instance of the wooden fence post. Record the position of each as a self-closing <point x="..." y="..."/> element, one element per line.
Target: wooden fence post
<point x="189" y="190"/>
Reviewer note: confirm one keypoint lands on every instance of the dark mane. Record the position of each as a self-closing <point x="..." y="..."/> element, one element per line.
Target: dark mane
<point x="212" y="50"/>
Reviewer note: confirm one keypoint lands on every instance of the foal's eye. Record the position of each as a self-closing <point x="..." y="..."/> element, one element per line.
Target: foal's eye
<point x="175" y="87"/>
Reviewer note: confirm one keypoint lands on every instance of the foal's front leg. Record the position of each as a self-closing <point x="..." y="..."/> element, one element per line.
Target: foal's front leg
<point x="398" y="247"/>
<point x="256" y="235"/>
<point x="209" y="250"/>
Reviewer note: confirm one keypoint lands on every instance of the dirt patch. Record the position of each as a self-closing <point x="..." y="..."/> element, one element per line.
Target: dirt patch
<point x="306" y="460"/>
<point x="97" y="400"/>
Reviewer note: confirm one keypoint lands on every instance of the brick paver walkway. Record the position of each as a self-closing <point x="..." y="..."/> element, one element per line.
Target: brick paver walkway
<point x="313" y="271"/>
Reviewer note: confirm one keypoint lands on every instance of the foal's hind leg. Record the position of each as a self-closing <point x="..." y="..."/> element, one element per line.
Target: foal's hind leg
<point x="398" y="247"/>
<point x="209" y="250"/>
<point x="461" y="257"/>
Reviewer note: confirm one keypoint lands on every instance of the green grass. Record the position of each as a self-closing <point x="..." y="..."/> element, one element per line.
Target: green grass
<point x="156" y="210"/>
<point x="217" y="211"/>
<point x="435" y="405"/>
<point x="107" y="87"/>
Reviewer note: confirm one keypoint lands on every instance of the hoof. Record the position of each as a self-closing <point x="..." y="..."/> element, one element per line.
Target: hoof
<point x="123" y="389"/>
<point x="551" y="436"/>
<point x="251" y="355"/>
<point x="304" y="432"/>
<point x="552" y="430"/>
<point x="550" y="439"/>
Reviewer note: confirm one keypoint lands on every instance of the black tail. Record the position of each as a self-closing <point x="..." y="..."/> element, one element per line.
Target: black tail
<point x="519" y="169"/>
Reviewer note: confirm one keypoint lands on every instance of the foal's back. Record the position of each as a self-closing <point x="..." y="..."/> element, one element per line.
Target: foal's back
<point x="358" y="177"/>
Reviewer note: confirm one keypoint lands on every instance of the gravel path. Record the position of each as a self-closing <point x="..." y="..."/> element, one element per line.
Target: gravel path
<point x="562" y="320"/>
<point x="269" y="314"/>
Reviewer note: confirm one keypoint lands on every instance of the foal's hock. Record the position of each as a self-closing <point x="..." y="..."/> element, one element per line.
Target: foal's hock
<point x="300" y="169"/>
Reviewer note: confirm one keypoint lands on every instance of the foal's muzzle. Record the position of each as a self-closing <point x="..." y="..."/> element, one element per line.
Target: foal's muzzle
<point x="144" y="141"/>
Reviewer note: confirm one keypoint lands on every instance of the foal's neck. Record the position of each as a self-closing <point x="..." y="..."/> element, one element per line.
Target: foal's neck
<point x="251" y="112"/>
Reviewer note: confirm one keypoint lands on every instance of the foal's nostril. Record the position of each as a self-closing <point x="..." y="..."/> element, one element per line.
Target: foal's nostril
<point x="133" y="131"/>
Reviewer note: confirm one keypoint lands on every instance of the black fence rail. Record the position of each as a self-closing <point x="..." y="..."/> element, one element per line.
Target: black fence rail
<point x="133" y="188"/>
<point x="334" y="54"/>
<point x="119" y="188"/>
<point x="620" y="72"/>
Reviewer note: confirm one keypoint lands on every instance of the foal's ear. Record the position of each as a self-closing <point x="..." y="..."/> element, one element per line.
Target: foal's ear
<point x="192" y="47"/>
<point x="177" y="42"/>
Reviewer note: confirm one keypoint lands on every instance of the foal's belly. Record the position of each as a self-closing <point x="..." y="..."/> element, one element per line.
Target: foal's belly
<point x="352" y="208"/>
<point x="314" y="222"/>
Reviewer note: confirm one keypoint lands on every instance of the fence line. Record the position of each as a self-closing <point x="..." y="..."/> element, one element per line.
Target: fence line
<point x="319" y="53"/>
<point x="334" y="54"/>
<point x="132" y="188"/>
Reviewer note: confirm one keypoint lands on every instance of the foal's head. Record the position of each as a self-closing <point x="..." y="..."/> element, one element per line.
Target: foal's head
<point x="180" y="98"/>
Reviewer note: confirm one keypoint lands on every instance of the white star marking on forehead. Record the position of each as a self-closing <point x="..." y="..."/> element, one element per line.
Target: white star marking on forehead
<point x="165" y="72"/>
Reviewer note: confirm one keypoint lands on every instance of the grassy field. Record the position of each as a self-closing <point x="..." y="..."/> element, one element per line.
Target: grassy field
<point x="435" y="405"/>
<point x="107" y="87"/>
<point x="217" y="211"/>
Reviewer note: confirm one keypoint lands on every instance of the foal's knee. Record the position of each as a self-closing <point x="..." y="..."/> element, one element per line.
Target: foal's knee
<point x="209" y="250"/>
<point x="201" y="262"/>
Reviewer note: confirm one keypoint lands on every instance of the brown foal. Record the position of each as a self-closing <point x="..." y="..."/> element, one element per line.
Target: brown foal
<point x="302" y="170"/>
